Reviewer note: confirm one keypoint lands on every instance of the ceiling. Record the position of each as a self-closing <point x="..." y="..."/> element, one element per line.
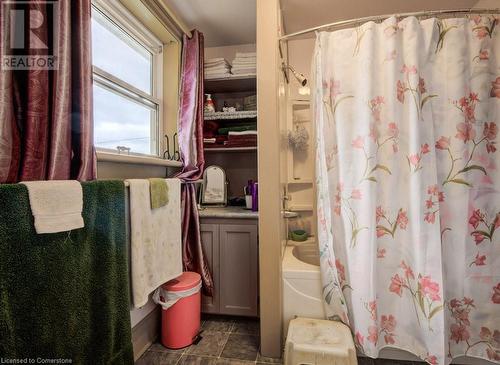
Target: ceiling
<point x="223" y="22"/>
<point x="304" y="14"/>
<point x="230" y="22"/>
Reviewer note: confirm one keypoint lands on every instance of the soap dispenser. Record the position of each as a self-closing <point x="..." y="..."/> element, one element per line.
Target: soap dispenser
<point x="209" y="106"/>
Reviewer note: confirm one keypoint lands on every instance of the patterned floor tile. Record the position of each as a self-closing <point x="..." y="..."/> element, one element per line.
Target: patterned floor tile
<point x="197" y="360"/>
<point x="241" y="347"/>
<point x="268" y="360"/>
<point x="217" y="324"/>
<point x="211" y="344"/>
<point x="246" y="326"/>
<point x="158" y="358"/>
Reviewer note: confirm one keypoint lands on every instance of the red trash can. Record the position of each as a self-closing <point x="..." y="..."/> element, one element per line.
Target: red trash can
<point x="180" y="324"/>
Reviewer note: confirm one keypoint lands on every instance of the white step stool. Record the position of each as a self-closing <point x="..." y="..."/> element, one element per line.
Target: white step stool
<point x="319" y="342"/>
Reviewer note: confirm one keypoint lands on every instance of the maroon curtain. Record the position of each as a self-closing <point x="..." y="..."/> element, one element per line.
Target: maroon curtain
<point x="190" y="126"/>
<point x="46" y="127"/>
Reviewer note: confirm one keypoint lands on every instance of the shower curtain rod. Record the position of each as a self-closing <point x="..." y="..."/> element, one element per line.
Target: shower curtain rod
<point x="376" y="18"/>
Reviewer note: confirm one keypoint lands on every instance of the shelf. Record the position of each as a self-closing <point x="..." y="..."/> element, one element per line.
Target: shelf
<point x="240" y="83"/>
<point x="230" y="149"/>
<point x="244" y="114"/>
<point x="301" y="208"/>
<point x="300" y="182"/>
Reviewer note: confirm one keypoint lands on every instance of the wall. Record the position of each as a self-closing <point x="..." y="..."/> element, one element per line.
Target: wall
<point x="228" y="52"/>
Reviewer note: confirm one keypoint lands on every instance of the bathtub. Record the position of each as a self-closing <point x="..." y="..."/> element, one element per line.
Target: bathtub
<point x="302" y="296"/>
<point x="301" y="283"/>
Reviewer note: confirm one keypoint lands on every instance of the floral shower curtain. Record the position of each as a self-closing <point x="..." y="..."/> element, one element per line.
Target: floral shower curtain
<point x="408" y="184"/>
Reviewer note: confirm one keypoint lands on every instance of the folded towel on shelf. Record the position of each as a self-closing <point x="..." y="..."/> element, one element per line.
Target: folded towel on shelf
<point x="242" y="133"/>
<point x="244" y="71"/>
<point x="56" y="205"/>
<point x="238" y="128"/>
<point x="66" y="295"/>
<point x="158" y="190"/>
<point x="246" y="54"/>
<point x="209" y="140"/>
<point x="155" y="237"/>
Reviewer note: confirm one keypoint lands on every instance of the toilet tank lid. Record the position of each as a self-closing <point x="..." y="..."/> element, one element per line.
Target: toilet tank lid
<point x="186" y="281"/>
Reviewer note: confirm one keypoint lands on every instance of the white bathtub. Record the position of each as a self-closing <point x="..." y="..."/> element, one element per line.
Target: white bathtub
<point x="302" y="292"/>
<point x="301" y="283"/>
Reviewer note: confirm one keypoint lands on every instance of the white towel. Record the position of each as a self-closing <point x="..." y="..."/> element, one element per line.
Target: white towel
<point x="243" y="133"/>
<point x="246" y="55"/>
<point x="56" y="205"/>
<point x="155" y="235"/>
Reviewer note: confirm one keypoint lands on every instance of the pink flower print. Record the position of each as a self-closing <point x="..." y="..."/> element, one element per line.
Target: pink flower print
<point x="360" y="338"/>
<point x="381" y="253"/>
<point x="485" y="334"/>
<point x="388" y="323"/>
<point x="379" y="213"/>
<point x="429" y="203"/>
<point x="340" y="270"/>
<point x="432" y="189"/>
<point x="493" y="354"/>
<point x="391" y="56"/>
<point x="372" y="334"/>
<point x="356" y="194"/>
<point x="430" y="217"/>
<point x="393" y="130"/>
<point x="490" y="147"/>
<point x="441" y="196"/>
<point x="421" y="86"/>
<point x="401" y="88"/>
<point x="465" y="132"/>
<point x="396" y="285"/>
<point x="476" y="218"/>
<point x="389" y="338"/>
<point x="497" y="220"/>
<point x="459" y="332"/>
<point x="480" y="260"/>
<point x="402" y="219"/>
<point x="484" y="55"/>
<point x="408" y="271"/>
<point x="424" y="149"/>
<point x="478" y="237"/>
<point x="358" y="142"/>
<point x="495" y="298"/>
<point x="468" y="301"/>
<point x="454" y="303"/>
<point x="490" y="131"/>
<point x="481" y="33"/>
<point x="429" y="288"/>
<point x="410" y="70"/>
<point x="431" y="359"/>
<point x="372" y="308"/>
<point x="443" y="143"/>
<point x="495" y="88"/>
<point x="381" y="232"/>
<point x="414" y="159"/>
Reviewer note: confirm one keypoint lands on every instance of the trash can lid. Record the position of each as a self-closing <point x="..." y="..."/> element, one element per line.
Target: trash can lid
<point x="186" y="281"/>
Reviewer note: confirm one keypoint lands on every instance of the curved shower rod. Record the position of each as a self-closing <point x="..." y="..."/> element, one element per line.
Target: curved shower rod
<point x="430" y="13"/>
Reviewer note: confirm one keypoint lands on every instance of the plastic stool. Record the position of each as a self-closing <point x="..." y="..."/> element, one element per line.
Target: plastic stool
<point x="319" y="342"/>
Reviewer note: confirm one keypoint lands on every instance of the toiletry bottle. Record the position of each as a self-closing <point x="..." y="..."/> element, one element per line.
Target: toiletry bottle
<point x="209" y="104"/>
<point x="255" y="197"/>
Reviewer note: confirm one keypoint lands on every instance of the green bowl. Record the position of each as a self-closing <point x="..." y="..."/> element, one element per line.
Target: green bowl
<point x="298" y="235"/>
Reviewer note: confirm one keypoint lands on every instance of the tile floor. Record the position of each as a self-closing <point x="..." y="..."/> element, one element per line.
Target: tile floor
<point x="228" y="341"/>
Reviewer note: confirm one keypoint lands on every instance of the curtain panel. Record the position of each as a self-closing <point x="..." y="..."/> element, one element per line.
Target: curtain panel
<point x="407" y="116"/>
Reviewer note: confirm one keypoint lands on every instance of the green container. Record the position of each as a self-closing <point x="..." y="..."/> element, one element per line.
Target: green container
<point x="298" y="235"/>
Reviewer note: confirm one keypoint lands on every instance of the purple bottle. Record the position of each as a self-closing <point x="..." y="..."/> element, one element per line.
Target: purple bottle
<point x="255" y="196"/>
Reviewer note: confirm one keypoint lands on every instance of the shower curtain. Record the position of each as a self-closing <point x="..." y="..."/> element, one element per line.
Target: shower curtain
<point x="406" y="117"/>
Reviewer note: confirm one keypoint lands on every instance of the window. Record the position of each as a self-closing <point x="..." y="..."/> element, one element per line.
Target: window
<point x="126" y="69"/>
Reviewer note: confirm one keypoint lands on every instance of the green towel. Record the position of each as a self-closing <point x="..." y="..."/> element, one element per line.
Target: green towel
<point x="65" y="295"/>
<point x="239" y="128"/>
<point x="158" y="190"/>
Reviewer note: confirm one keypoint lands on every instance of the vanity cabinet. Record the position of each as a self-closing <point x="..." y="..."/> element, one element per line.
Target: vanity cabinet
<point x="231" y="249"/>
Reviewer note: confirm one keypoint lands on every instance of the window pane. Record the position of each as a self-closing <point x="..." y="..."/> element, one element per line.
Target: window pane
<point x="118" y="54"/>
<point x="119" y="121"/>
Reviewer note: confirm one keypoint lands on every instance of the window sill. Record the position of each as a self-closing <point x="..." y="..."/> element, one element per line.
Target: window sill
<point x="103" y="156"/>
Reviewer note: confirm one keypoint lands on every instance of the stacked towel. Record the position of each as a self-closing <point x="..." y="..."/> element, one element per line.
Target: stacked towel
<point x="156" y="248"/>
<point x="242" y="139"/>
<point x="250" y="102"/>
<point x="245" y="64"/>
<point x="216" y="68"/>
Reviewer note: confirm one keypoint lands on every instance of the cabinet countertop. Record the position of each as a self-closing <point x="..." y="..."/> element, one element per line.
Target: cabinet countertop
<point x="227" y="212"/>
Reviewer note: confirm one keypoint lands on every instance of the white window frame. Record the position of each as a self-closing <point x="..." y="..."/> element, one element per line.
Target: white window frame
<point x="120" y="16"/>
